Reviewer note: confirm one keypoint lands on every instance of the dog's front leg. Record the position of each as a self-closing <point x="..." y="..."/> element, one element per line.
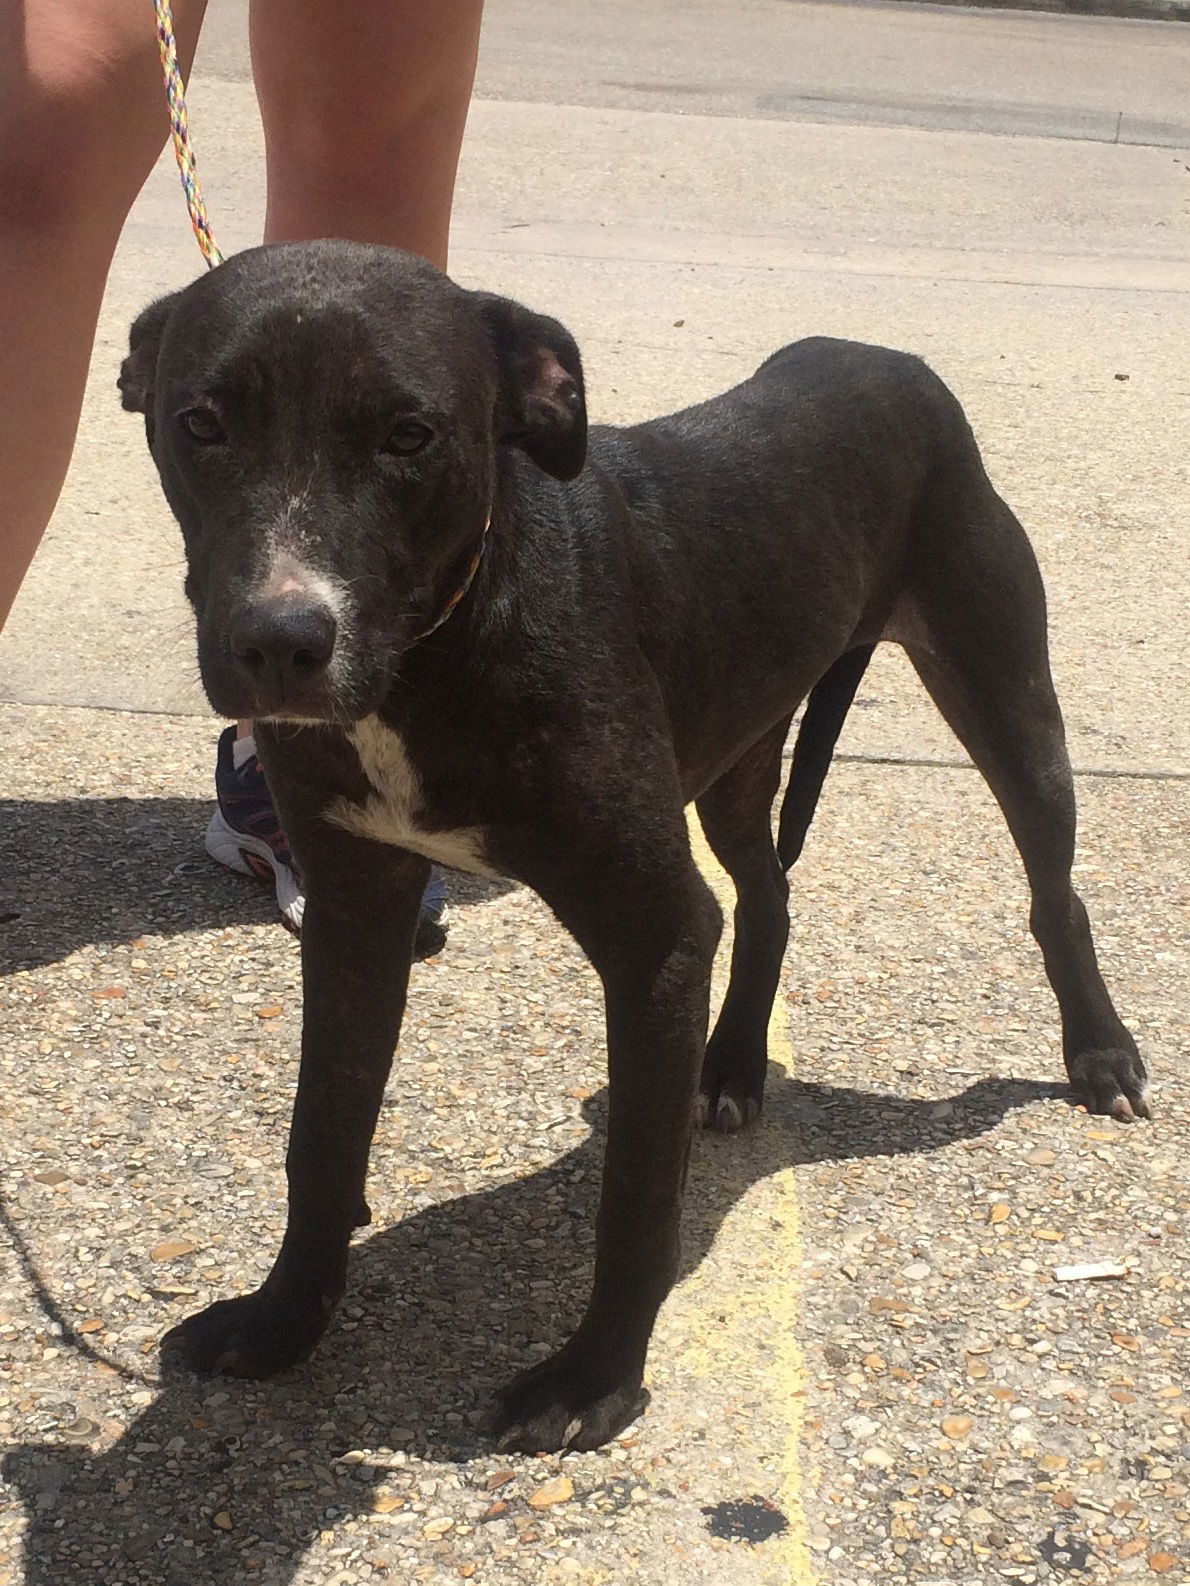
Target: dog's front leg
<point x="357" y="942"/>
<point x="652" y="938"/>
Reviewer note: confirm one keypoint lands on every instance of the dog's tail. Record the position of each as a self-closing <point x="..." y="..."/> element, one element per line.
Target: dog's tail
<point x="822" y="722"/>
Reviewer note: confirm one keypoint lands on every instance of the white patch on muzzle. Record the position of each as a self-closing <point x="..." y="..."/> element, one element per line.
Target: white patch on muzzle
<point x="288" y="576"/>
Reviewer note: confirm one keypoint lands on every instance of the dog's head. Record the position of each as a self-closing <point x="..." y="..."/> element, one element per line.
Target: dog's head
<point x="327" y="420"/>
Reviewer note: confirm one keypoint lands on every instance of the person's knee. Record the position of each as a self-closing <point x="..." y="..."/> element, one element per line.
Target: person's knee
<point x="372" y="147"/>
<point x="71" y="151"/>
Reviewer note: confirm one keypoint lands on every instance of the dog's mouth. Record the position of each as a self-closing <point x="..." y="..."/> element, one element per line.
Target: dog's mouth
<point x="313" y="705"/>
<point x="304" y="707"/>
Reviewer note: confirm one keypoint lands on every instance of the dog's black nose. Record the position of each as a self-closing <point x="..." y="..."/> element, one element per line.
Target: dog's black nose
<point x="286" y="638"/>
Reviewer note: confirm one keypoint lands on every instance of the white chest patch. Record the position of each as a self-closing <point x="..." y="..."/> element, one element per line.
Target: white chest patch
<point x="391" y="811"/>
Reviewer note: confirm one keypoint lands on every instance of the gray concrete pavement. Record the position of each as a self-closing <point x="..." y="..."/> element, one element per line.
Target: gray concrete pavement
<point x="687" y="187"/>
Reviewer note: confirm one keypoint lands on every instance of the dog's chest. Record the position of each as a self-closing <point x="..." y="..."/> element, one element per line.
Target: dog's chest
<point x="393" y="811"/>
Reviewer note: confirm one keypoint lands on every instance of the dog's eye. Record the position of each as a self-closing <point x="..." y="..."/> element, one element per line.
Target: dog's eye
<point x="405" y="438"/>
<point x="201" y="425"/>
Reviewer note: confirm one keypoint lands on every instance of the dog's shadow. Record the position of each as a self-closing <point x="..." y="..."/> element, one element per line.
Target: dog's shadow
<point x="441" y="1308"/>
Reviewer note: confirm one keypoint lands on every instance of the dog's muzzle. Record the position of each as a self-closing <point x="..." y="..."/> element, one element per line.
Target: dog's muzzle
<point x="282" y="651"/>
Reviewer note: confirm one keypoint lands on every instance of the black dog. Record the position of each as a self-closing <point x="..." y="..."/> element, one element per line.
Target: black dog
<point x="357" y="449"/>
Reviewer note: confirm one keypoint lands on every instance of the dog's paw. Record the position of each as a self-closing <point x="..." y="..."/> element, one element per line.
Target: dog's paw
<point x="553" y="1407"/>
<point x="727" y="1109"/>
<point x="731" y="1090"/>
<point x="1112" y="1081"/>
<point x="253" y="1336"/>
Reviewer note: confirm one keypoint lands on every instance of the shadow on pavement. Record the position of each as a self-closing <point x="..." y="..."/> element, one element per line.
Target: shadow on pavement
<point x="447" y="1304"/>
<point x="78" y="871"/>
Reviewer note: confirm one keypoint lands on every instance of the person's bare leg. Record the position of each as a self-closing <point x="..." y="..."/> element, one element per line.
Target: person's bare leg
<point x="364" y="120"/>
<point x="82" y="119"/>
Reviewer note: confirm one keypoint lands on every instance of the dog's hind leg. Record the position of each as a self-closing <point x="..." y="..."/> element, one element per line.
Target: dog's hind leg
<point x="736" y="815"/>
<point x="982" y="654"/>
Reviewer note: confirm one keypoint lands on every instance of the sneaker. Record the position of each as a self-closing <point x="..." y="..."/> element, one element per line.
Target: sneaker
<point x="431" y="921"/>
<point x="245" y="835"/>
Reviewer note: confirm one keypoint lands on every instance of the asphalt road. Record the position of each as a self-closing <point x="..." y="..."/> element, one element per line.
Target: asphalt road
<point x="878" y="62"/>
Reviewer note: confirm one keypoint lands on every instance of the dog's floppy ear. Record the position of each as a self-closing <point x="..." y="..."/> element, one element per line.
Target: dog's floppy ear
<point x="543" y="407"/>
<point x="138" y="372"/>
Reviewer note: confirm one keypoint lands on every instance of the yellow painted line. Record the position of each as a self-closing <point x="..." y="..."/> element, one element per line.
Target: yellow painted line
<point x="784" y="1370"/>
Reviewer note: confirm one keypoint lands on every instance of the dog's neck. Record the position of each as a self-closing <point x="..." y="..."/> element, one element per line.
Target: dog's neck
<point x="468" y="580"/>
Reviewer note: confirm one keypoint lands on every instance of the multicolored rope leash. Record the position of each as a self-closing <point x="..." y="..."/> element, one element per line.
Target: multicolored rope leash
<point x="175" y="90"/>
